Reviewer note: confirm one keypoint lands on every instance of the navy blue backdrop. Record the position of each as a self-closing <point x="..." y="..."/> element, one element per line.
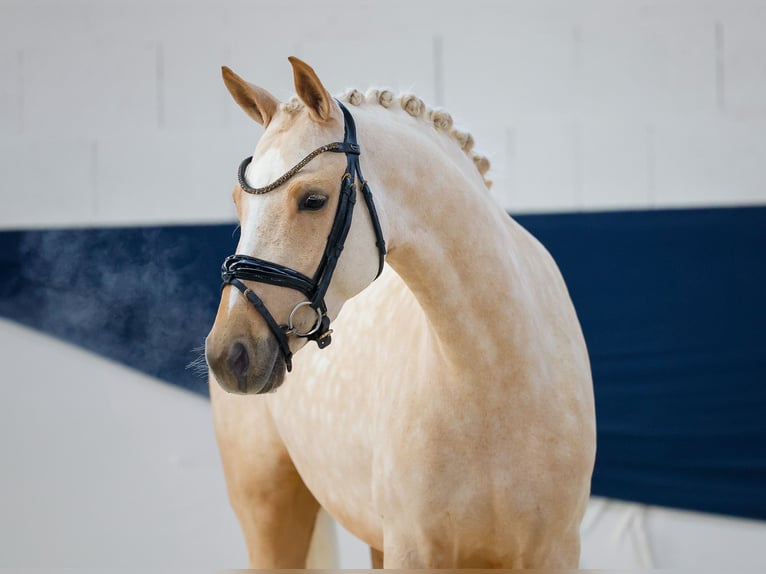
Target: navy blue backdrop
<point x="671" y="303"/>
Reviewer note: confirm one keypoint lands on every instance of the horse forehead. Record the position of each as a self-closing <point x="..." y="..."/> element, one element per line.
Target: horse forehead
<point x="285" y="143"/>
<point x="267" y="165"/>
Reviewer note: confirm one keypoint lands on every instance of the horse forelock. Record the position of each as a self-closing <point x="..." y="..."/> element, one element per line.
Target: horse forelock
<point x="438" y="118"/>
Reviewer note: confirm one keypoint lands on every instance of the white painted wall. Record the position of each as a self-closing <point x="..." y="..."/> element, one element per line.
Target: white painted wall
<point x="114" y="112"/>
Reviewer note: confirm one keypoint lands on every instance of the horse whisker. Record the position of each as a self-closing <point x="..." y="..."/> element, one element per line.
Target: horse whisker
<point x="198" y="365"/>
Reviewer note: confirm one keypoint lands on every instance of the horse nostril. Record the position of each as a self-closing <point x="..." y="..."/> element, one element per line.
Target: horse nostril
<point x="239" y="363"/>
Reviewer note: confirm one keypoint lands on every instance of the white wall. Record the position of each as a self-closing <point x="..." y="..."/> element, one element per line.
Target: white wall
<point x="114" y="111"/>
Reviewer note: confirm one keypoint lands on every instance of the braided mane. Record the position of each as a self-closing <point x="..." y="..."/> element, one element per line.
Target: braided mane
<point x="439" y="118"/>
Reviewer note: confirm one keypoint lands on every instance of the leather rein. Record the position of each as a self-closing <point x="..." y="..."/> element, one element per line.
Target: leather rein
<point x="237" y="268"/>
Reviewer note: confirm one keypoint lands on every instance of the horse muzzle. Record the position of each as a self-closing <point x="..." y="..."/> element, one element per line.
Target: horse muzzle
<point x="243" y="366"/>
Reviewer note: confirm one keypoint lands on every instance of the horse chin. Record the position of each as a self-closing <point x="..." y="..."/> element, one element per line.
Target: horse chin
<point x="273" y="380"/>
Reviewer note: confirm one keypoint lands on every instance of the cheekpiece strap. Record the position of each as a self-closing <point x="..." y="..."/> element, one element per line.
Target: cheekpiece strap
<point x="355" y="171"/>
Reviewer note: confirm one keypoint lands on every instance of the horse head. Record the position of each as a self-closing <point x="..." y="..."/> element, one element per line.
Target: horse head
<point x="300" y="255"/>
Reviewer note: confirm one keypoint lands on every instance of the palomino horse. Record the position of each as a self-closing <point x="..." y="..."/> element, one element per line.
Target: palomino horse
<point x="451" y="422"/>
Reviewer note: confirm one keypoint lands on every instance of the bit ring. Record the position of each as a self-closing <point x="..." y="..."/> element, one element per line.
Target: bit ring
<point x="291" y="328"/>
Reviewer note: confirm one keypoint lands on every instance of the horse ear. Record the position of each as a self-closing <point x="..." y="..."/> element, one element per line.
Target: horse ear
<point x="257" y="102"/>
<point x="311" y="91"/>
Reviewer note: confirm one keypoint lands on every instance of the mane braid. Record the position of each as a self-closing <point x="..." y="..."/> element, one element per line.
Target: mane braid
<point x="414" y="106"/>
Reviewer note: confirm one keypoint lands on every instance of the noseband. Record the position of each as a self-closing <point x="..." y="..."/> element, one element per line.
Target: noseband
<point x="243" y="267"/>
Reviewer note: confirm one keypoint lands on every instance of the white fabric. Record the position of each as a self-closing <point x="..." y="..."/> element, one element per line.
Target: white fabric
<point x="620" y="534"/>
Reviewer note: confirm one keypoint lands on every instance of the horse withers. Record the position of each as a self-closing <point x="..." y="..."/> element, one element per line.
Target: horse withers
<point x="450" y="422"/>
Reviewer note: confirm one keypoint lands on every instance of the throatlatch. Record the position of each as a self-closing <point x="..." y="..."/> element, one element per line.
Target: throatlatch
<point x="237" y="268"/>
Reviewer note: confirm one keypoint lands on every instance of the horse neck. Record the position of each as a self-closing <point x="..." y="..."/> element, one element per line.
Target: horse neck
<point x="449" y="241"/>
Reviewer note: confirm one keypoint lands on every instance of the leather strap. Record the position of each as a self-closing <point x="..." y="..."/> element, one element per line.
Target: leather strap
<point x="278" y="330"/>
<point x="336" y="241"/>
<point x="355" y="170"/>
<point x="379" y="240"/>
<point x="336" y="147"/>
<point x="254" y="269"/>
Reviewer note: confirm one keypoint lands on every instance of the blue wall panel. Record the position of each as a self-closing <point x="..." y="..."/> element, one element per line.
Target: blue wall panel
<point x="673" y="306"/>
<point x="671" y="302"/>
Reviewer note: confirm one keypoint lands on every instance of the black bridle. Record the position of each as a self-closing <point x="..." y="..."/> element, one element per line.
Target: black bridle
<point x="243" y="267"/>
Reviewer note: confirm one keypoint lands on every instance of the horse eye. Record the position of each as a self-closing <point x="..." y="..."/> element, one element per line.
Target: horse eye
<point x="312" y="202"/>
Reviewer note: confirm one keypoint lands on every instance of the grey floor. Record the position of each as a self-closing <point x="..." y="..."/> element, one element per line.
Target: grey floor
<point x="104" y="466"/>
